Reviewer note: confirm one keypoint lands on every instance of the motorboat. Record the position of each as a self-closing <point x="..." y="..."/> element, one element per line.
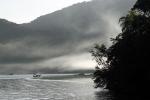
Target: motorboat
<point x="36" y="75"/>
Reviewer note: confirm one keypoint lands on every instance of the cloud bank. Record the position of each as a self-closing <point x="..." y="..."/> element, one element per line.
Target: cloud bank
<point x="60" y="41"/>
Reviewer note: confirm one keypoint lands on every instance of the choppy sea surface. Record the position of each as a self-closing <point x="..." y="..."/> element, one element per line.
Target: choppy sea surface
<point x="24" y="87"/>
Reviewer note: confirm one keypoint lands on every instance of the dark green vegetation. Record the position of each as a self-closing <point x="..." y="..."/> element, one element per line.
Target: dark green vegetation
<point x="126" y="62"/>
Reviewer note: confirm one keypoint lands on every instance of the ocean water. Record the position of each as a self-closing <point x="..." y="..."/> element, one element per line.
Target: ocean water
<point x="24" y="87"/>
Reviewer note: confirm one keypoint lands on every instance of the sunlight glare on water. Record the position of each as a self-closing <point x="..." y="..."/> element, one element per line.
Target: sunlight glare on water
<point x="23" y="87"/>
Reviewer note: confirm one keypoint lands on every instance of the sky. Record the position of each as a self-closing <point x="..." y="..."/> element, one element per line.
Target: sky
<point x="23" y="11"/>
<point x="58" y="41"/>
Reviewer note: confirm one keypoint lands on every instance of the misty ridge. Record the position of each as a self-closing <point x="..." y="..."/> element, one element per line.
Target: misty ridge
<point x="56" y="42"/>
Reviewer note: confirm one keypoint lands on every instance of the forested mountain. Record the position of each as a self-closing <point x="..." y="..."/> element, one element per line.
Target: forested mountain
<point x="61" y="37"/>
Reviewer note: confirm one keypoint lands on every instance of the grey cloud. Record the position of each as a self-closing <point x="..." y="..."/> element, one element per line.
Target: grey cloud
<point x="69" y="31"/>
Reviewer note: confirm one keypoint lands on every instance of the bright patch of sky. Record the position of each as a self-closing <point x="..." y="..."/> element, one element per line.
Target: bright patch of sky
<point x="23" y="11"/>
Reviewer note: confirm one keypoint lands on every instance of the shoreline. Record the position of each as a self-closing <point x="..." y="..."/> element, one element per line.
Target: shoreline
<point x="63" y="77"/>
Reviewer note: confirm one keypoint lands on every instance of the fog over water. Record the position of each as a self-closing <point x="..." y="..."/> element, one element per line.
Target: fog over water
<point x="59" y="42"/>
<point x="54" y="44"/>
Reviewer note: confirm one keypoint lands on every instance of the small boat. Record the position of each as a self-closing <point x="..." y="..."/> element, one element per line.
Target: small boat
<point x="36" y="75"/>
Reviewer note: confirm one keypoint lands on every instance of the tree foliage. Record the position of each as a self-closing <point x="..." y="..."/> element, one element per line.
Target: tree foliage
<point x="126" y="64"/>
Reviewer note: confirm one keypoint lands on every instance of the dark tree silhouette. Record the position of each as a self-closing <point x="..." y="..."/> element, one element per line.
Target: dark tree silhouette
<point x="125" y="65"/>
